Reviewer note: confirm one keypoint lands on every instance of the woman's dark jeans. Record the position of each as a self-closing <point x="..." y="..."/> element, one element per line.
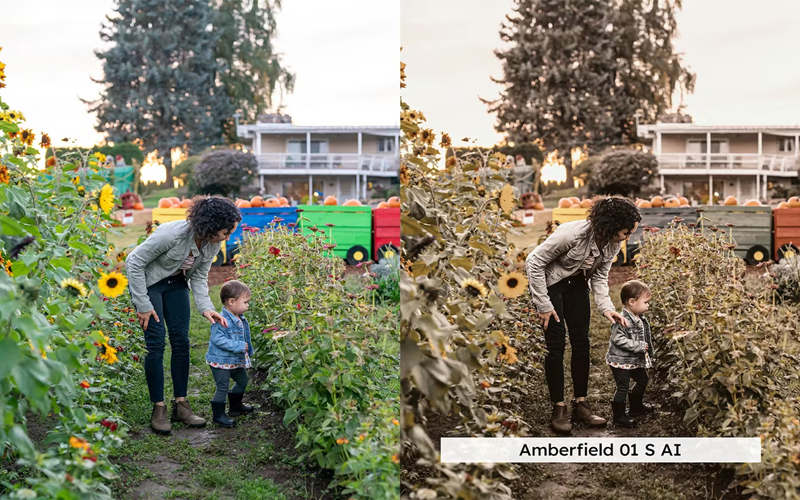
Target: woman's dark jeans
<point x="570" y="297"/>
<point x="623" y="379"/>
<point x="170" y="298"/>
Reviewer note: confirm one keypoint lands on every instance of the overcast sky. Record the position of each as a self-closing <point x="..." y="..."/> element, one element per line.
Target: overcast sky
<point x="744" y="55"/>
<point x="344" y="54"/>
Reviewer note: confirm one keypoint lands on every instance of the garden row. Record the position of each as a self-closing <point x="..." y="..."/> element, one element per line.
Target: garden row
<point x="327" y="342"/>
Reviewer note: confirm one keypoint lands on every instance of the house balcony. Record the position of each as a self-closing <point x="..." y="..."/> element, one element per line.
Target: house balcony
<point x="727" y="164"/>
<point x="379" y="165"/>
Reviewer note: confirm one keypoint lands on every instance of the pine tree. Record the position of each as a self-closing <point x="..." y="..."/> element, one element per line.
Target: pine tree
<point x="161" y="77"/>
<point x="246" y="28"/>
<point x="576" y="73"/>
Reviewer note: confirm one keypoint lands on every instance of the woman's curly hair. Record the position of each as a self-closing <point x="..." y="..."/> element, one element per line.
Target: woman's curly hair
<point x="610" y="216"/>
<point x="209" y="215"/>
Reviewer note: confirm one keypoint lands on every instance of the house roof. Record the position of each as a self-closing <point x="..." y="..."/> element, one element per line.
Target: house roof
<point x="649" y="130"/>
<point x="288" y="128"/>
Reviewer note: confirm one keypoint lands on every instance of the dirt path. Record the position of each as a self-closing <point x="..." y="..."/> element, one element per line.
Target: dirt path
<point x="254" y="460"/>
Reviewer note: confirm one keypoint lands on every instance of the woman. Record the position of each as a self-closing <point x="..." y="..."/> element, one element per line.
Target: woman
<point x="561" y="270"/>
<point x="175" y="257"/>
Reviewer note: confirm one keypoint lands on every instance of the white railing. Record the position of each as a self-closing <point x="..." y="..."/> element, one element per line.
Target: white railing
<point x="328" y="161"/>
<point x="730" y="161"/>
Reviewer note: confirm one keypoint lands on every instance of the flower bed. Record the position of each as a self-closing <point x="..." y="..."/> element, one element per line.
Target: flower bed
<point x="329" y="348"/>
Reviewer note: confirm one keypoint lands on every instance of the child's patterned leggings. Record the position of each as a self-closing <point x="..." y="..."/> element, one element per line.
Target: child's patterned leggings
<point x="222" y="378"/>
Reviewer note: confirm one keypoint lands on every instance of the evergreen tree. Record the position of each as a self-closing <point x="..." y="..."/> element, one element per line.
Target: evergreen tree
<point x="246" y="28"/>
<point x="161" y="77"/>
<point x="577" y="73"/>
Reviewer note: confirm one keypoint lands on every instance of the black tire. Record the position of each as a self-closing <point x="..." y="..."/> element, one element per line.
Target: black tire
<point x="219" y="259"/>
<point x="232" y="251"/>
<point x="633" y="251"/>
<point x="756" y="254"/>
<point x="788" y="250"/>
<point x="356" y="254"/>
<point x="619" y="259"/>
<point x="387" y="250"/>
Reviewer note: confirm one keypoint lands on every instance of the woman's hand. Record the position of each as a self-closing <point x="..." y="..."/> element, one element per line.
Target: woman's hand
<point x="545" y="317"/>
<point x="144" y="318"/>
<point x="615" y="317"/>
<point x="214" y="317"/>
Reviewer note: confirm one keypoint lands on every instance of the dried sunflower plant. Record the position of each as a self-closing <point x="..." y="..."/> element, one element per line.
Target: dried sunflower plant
<point x="468" y="345"/>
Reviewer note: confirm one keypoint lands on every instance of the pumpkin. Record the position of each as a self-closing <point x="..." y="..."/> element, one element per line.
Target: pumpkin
<point x="283" y="201"/>
<point x="784" y="204"/>
<point x="587" y="203"/>
<point x="564" y="203"/>
<point x="330" y="200"/>
<point x="164" y="203"/>
<point x="351" y="203"/>
<point x="174" y="200"/>
<point x="575" y="200"/>
<point x="672" y="203"/>
<point x="187" y="203"/>
<point x="794" y="202"/>
<point x="683" y="201"/>
<point x="657" y="201"/>
<point x="644" y="204"/>
<point x="752" y="203"/>
<point x="243" y="204"/>
<point x="393" y="201"/>
<point x="383" y="204"/>
<point x="138" y="206"/>
<point x="256" y="201"/>
<point x="272" y="203"/>
<point x="730" y="201"/>
<point x="538" y="206"/>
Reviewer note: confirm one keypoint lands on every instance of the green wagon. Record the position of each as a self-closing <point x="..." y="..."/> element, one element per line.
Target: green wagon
<point x="351" y="229"/>
<point x="751" y="228"/>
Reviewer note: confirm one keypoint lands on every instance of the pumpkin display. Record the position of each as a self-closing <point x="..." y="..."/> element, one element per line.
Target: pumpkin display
<point x="672" y="203"/>
<point x="164" y="203"/>
<point x="242" y="204"/>
<point x="575" y="200"/>
<point x="283" y="202"/>
<point x="752" y="203"/>
<point x="731" y="201"/>
<point x="271" y="203"/>
<point x="256" y="201"/>
<point x="657" y="201"/>
<point x="383" y="204"/>
<point x="794" y="202"/>
<point x="587" y="203"/>
<point x="393" y="201"/>
<point x="644" y="204"/>
<point x="784" y="204"/>
<point x="330" y="200"/>
<point x="564" y="203"/>
<point x="186" y="203"/>
<point x="138" y="206"/>
<point x="683" y="201"/>
<point x="351" y="203"/>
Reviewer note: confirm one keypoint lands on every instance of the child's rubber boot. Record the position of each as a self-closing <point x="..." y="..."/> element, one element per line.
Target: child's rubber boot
<point x="620" y="418"/>
<point x="236" y="406"/>
<point x="637" y="407"/>
<point x="218" y="410"/>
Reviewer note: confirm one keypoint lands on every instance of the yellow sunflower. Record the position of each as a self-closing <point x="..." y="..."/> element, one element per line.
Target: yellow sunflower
<point x="4" y="177"/>
<point x="474" y="287"/>
<point x="507" y="199"/>
<point x="107" y="352"/>
<point x="27" y="136"/>
<point x="446" y="142"/>
<point x="106" y="198"/>
<point x="427" y="136"/>
<point x="74" y="287"/>
<point x="112" y="284"/>
<point x="513" y="284"/>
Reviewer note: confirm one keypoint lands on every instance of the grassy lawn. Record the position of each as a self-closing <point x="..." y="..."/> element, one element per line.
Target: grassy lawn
<point x="125" y="236"/>
<point x="150" y="200"/>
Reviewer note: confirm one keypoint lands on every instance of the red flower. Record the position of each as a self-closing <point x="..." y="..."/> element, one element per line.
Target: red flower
<point x="314" y="228"/>
<point x="68" y="476"/>
<point x="274" y="251"/>
<point x="90" y="457"/>
<point x="329" y="224"/>
<point x="85" y="384"/>
<point x="291" y="224"/>
<point x="136" y="357"/>
<point x="112" y="426"/>
<point x="277" y="220"/>
<point x="299" y="307"/>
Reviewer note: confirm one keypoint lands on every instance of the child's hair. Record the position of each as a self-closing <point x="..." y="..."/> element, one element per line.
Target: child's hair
<point x="233" y="289"/>
<point x="632" y="289"/>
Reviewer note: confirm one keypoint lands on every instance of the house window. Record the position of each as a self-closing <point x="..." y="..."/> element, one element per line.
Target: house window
<point x="299" y="146"/>
<point x="786" y="144"/>
<point x="385" y="144"/>
<point x="699" y="146"/>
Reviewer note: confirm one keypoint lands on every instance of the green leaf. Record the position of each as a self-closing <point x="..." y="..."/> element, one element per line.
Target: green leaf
<point x="10" y="227"/>
<point x="290" y="415"/>
<point x="8" y="127"/>
<point x="10" y="356"/>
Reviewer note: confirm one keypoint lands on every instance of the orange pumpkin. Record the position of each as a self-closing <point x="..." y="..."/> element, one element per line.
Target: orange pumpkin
<point x="657" y="201"/>
<point x="256" y="201"/>
<point x="243" y="204"/>
<point x="272" y="203"/>
<point x="283" y="201"/>
<point x="684" y="202"/>
<point x="174" y="200"/>
<point x="752" y="203"/>
<point x="164" y="203"/>
<point x="672" y="203"/>
<point x="383" y="204"/>
<point x="564" y="203"/>
<point x="644" y="204"/>
<point x="794" y="202"/>
<point x="331" y="200"/>
<point x="784" y="204"/>
<point x="351" y="203"/>
<point x="394" y="201"/>
<point x="138" y="206"/>
<point x="186" y="203"/>
<point x="587" y="203"/>
<point x="731" y="200"/>
<point x="575" y="200"/>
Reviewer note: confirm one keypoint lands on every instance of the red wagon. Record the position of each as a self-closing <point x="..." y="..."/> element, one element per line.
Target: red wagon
<point x="786" y="234"/>
<point x="385" y="232"/>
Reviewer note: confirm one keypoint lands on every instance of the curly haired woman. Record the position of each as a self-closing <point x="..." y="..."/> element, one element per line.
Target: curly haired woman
<point x="575" y="258"/>
<point x="174" y="258"/>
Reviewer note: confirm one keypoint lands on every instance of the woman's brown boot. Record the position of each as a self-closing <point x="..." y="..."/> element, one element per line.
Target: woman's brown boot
<point x="560" y="419"/>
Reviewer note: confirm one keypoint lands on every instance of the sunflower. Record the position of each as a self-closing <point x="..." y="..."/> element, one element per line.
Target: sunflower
<point x="507" y="199"/>
<point x="81" y="190"/>
<point x="79" y="443"/>
<point x="45" y="140"/>
<point x="507" y="354"/>
<point x="474" y="287"/>
<point x="74" y="287"/>
<point x="4" y="177"/>
<point x="112" y="284"/>
<point x="513" y="284"/>
<point x="427" y="136"/>
<point x="106" y="198"/>
<point x="451" y="162"/>
<point x="27" y="136"/>
<point x="51" y="161"/>
<point x="107" y="352"/>
<point x="446" y="142"/>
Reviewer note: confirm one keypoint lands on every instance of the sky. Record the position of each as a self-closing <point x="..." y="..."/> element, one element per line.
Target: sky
<point x="744" y="56"/>
<point x="344" y="54"/>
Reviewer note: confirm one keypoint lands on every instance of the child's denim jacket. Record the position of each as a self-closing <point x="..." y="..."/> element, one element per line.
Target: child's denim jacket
<point x="627" y="344"/>
<point x="226" y="345"/>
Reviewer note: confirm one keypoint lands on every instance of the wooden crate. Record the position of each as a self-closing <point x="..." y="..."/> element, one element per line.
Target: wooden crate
<point x="786" y="231"/>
